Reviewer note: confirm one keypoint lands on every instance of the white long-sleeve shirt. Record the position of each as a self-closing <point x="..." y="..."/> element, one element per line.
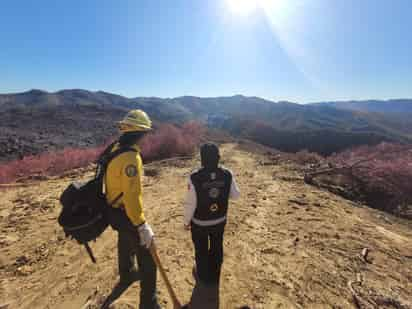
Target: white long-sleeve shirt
<point x="191" y="199"/>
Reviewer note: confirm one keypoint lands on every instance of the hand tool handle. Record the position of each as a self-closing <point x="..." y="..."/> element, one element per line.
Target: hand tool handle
<point x="153" y="251"/>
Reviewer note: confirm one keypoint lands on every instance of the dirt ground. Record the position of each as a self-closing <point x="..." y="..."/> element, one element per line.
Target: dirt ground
<point x="287" y="244"/>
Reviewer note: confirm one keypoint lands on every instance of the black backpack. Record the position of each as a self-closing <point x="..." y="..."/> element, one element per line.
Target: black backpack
<point x="84" y="213"/>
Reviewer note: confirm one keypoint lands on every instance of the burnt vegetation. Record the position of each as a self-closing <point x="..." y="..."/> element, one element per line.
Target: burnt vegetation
<point x="379" y="176"/>
<point x="365" y="143"/>
<point x="166" y="142"/>
<point x="37" y="121"/>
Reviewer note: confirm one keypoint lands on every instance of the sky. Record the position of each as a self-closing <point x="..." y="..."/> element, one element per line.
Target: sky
<point x="296" y="50"/>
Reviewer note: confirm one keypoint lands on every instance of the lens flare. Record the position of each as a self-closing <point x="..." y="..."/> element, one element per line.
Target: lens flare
<point x="247" y="7"/>
<point x="288" y="20"/>
<point x="242" y="7"/>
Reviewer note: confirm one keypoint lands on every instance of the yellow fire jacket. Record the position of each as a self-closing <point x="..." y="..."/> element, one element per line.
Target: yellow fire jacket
<point x="124" y="175"/>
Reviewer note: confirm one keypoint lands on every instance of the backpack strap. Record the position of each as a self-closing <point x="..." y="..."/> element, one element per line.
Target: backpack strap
<point x="103" y="162"/>
<point x="116" y="153"/>
<point x="108" y="155"/>
<point x="101" y="159"/>
<point x="107" y="150"/>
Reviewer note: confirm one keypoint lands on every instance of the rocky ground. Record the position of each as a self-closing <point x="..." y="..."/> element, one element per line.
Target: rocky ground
<point x="287" y="244"/>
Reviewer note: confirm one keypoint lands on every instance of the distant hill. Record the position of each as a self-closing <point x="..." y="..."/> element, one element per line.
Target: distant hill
<point x="290" y="126"/>
<point x="36" y="120"/>
<point x="35" y="100"/>
<point x="398" y="106"/>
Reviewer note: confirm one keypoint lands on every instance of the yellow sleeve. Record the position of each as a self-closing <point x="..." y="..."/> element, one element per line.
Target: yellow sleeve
<point x="131" y="186"/>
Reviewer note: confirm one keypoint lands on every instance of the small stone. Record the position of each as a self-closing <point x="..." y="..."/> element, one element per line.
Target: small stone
<point x="21" y="260"/>
<point x="268" y="251"/>
<point x="25" y="270"/>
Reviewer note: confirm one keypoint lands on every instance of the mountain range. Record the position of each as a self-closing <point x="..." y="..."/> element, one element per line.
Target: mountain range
<point x="36" y="120"/>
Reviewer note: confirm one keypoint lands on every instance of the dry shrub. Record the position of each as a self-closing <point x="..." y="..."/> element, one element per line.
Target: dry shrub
<point x="385" y="172"/>
<point x="305" y="157"/>
<point x="49" y="163"/>
<point x="171" y="141"/>
<point x="165" y="142"/>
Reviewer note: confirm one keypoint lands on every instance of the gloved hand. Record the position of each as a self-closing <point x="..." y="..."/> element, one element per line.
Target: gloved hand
<point x="146" y="235"/>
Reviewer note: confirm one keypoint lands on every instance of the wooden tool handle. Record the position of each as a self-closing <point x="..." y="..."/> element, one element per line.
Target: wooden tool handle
<point x="153" y="251"/>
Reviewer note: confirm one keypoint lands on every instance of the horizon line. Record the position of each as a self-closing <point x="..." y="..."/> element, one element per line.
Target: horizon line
<point x="206" y="97"/>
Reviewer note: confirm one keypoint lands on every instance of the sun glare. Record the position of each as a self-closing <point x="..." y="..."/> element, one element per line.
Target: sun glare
<point x="242" y="7"/>
<point x="247" y="7"/>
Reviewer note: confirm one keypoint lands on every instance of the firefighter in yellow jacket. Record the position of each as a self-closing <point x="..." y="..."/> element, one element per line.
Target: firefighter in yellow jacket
<point x="123" y="184"/>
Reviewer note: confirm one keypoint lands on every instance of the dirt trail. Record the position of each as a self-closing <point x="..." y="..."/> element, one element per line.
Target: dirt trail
<point x="287" y="245"/>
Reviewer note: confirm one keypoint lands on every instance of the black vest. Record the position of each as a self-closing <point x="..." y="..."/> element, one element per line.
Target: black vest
<point x="212" y="192"/>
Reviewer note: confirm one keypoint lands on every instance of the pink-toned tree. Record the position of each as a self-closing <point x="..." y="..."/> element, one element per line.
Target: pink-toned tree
<point x="384" y="172"/>
<point x="49" y="163"/>
<point x="165" y="142"/>
<point x="170" y="141"/>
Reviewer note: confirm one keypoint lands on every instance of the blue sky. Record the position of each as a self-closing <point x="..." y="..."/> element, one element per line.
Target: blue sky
<point x="298" y="50"/>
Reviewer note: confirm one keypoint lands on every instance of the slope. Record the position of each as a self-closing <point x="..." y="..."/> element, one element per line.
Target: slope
<point x="396" y="106"/>
<point x="287" y="244"/>
<point x="36" y="120"/>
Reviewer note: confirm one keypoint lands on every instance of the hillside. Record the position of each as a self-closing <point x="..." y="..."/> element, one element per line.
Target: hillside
<point x="37" y="121"/>
<point x="287" y="244"/>
<point x="397" y="106"/>
<point x="26" y="131"/>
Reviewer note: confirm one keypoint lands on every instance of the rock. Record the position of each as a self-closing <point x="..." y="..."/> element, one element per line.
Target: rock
<point x="25" y="270"/>
<point x="268" y="251"/>
<point x="21" y="260"/>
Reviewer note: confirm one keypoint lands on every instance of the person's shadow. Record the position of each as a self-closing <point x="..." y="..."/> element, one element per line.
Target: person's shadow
<point x="118" y="290"/>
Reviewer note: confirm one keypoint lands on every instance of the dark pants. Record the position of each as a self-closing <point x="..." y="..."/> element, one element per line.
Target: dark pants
<point x="208" y="243"/>
<point x="129" y="252"/>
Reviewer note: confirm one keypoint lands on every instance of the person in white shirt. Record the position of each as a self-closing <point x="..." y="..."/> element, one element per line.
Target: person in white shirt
<point x="205" y="214"/>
